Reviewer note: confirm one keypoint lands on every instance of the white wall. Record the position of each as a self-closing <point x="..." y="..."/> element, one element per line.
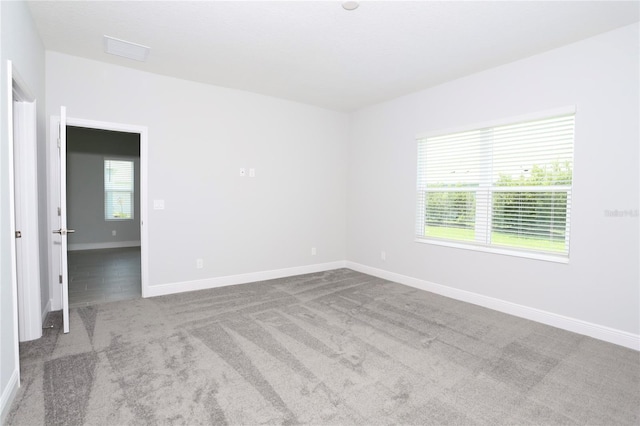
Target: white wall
<point x="21" y="44"/>
<point x="199" y="137"/>
<point x="600" y="285"/>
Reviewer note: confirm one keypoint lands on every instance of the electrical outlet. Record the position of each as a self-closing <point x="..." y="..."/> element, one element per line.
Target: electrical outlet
<point x="313" y="251"/>
<point x="383" y="255"/>
<point x="199" y="263"/>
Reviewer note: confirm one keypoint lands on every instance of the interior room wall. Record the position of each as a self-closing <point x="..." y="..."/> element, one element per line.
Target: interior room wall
<point x="86" y="151"/>
<point x="599" y="285"/>
<point x="21" y="44"/>
<point x="199" y="138"/>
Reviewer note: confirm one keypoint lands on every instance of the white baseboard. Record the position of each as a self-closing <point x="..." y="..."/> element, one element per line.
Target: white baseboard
<point x="596" y="331"/>
<point x="8" y="394"/>
<point x="171" y="288"/>
<point x="97" y="246"/>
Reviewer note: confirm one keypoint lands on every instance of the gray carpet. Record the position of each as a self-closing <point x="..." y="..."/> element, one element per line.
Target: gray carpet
<point x="338" y="347"/>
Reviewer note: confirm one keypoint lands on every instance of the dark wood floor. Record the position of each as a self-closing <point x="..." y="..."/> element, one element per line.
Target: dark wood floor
<point x="98" y="276"/>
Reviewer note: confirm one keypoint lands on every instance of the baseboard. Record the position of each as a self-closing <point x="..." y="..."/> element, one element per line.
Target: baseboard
<point x="596" y="331"/>
<point x="172" y="288"/>
<point x="98" y="246"/>
<point x="8" y="394"/>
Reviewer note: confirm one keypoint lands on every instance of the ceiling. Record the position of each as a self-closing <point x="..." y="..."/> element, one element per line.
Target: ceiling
<point x="316" y="52"/>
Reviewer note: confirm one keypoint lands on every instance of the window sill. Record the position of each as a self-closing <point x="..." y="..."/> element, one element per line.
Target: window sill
<point x="548" y="257"/>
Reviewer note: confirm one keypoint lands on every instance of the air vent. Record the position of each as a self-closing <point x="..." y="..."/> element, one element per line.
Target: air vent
<point x="125" y="49"/>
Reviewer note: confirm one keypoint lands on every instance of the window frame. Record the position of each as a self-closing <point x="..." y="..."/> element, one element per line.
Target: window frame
<point x="481" y="247"/>
<point x="133" y="187"/>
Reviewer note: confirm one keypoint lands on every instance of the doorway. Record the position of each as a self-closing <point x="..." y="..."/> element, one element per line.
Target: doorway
<point x="103" y="205"/>
<point x="57" y="205"/>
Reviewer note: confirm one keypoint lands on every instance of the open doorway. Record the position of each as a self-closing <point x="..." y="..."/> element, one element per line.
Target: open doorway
<point x="103" y="207"/>
<point x="57" y="205"/>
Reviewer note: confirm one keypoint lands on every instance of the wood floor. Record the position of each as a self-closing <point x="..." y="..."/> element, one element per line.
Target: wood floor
<point x="98" y="276"/>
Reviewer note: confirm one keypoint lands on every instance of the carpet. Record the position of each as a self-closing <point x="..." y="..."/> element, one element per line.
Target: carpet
<point x="335" y="348"/>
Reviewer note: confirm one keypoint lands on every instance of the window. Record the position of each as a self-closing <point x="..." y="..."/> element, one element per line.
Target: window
<point x="505" y="188"/>
<point x="118" y="189"/>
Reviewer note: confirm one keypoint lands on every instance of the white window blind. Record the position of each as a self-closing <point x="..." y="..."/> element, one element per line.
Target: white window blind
<point x="505" y="186"/>
<point x="118" y="189"/>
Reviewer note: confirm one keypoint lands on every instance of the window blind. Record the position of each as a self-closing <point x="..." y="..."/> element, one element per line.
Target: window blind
<point x="118" y="189"/>
<point x="504" y="186"/>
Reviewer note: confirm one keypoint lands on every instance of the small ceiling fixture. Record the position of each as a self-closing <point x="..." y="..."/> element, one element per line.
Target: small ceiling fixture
<point x="125" y="49"/>
<point x="350" y="5"/>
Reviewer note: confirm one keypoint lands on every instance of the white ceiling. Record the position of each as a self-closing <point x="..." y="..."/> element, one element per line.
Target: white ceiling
<point x="318" y="53"/>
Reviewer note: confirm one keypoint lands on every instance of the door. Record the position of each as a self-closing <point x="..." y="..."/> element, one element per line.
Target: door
<point x="23" y="205"/>
<point x="27" y="239"/>
<point x="62" y="214"/>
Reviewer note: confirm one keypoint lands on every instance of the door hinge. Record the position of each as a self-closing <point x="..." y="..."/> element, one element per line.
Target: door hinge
<point x="60" y="279"/>
<point x="59" y="212"/>
<point x="18" y="234"/>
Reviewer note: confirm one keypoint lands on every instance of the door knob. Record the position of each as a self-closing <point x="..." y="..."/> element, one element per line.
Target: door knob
<point x="64" y="231"/>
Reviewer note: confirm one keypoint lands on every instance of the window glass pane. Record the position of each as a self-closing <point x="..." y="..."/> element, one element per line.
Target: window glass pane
<point x="533" y="153"/>
<point x="532" y="220"/>
<point x="118" y="186"/>
<point x="450" y="215"/>
<point x="456" y="160"/>
<point x="119" y="205"/>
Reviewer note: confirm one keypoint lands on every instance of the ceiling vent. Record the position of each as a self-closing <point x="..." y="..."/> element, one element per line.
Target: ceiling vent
<point x="125" y="49"/>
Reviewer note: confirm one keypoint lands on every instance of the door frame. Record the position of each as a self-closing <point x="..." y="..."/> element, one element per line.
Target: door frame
<point x="53" y="194"/>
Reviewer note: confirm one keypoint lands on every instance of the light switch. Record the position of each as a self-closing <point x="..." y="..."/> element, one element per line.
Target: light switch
<point x="252" y="172"/>
<point x="158" y="204"/>
<point x="243" y="171"/>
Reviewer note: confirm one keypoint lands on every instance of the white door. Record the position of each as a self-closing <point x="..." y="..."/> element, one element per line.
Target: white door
<point x="62" y="212"/>
<point x="26" y="221"/>
<point x="23" y="205"/>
